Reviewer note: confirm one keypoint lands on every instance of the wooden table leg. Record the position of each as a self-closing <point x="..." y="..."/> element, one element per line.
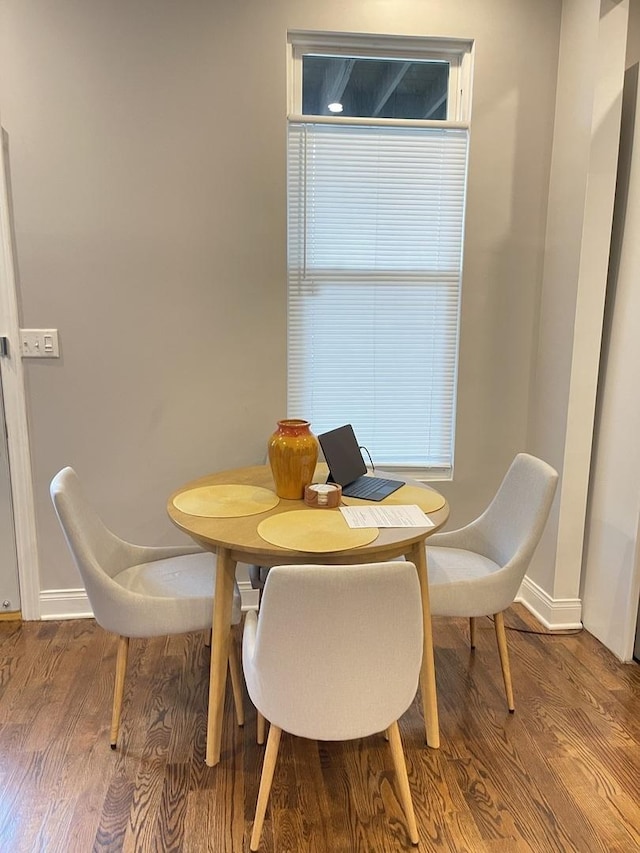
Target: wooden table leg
<point x="418" y="556"/>
<point x="222" y="605"/>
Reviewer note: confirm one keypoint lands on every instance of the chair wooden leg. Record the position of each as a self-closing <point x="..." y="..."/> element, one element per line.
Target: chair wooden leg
<point x="403" y="780"/>
<point x="118" y="690"/>
<point x="472" y="631"/>
<point x="236" y="681"/>
<point x="261" y="728"/>
<point x="268" y="766"/>
<point x="501" y="637"/>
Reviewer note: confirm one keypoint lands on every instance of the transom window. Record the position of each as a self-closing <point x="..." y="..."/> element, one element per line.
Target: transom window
<point x="376" y="197"/>
<point x="385" y="88"/>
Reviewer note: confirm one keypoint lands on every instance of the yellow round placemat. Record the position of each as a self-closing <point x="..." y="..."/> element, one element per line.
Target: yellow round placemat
<point x="226" y="501"/>
<point x="426" y="499"/>
<point x="315" y="530"/>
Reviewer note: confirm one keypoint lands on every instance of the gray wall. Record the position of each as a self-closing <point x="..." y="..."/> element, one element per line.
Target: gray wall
<point x="611" y="575"/>
<point x="147" y="145"/>
<point x="581" y="193"/>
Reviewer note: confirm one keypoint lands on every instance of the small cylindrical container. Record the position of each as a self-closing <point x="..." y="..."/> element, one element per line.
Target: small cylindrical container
<point x="323" y="495"/>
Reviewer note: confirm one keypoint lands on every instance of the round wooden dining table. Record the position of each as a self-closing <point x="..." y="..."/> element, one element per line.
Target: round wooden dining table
<point x="236" y="539"/>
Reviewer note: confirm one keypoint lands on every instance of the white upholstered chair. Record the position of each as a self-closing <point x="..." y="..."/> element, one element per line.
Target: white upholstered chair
<point x="335" y="654"/>
<point x="138" y="591"/>
<point x="477" y="570"/>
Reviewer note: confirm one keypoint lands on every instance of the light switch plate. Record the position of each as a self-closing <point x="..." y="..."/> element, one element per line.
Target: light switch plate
<point x="39" y="343"/>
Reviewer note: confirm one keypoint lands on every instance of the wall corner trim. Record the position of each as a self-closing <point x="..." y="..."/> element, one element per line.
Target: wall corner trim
<point x="556" y="614"/>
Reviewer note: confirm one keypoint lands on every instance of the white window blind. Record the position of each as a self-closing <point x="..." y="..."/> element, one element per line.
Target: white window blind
<point x="376" y="216"/>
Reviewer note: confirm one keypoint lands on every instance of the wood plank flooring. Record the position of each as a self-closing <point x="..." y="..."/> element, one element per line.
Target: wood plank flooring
<point x="561" y="774"/>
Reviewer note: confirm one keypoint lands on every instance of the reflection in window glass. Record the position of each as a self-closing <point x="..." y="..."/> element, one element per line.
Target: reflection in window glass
<point x="369" y="88"/>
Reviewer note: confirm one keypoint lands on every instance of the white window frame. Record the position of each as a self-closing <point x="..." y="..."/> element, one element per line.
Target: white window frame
<point x="459" y="55"/>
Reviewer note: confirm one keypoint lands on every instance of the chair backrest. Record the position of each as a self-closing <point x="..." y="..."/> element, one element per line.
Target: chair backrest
<point x="511" y="526"/>
<point x="338" y="648"/>
<point x="97" y="552"/>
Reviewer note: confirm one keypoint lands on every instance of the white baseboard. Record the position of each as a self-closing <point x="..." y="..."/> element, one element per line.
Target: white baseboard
<point x="74" y="604"/>
<point x="64" y="604"/>
<point x="556" y="614"/>
<point x="249" y="596"/>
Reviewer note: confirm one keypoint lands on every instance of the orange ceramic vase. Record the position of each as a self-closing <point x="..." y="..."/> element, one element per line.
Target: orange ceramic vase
<point x="293" y="453"/>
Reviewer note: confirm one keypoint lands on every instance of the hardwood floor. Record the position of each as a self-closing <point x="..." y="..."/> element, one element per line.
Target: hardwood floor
<point x="561" y="774"/>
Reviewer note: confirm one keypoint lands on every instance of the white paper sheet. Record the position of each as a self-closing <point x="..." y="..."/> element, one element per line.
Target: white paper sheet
<point x="385" y="516"/>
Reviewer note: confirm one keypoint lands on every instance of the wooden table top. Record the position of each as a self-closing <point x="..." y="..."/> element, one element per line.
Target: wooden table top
<point x="240" y="535"/>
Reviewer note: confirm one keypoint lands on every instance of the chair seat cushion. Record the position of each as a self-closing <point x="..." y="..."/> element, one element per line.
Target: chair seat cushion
<point x="190" y="576"/>
<point x="456" y="582"/>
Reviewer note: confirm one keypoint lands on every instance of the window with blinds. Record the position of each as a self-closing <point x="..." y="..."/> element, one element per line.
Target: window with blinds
<point x="375" y="235"/>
